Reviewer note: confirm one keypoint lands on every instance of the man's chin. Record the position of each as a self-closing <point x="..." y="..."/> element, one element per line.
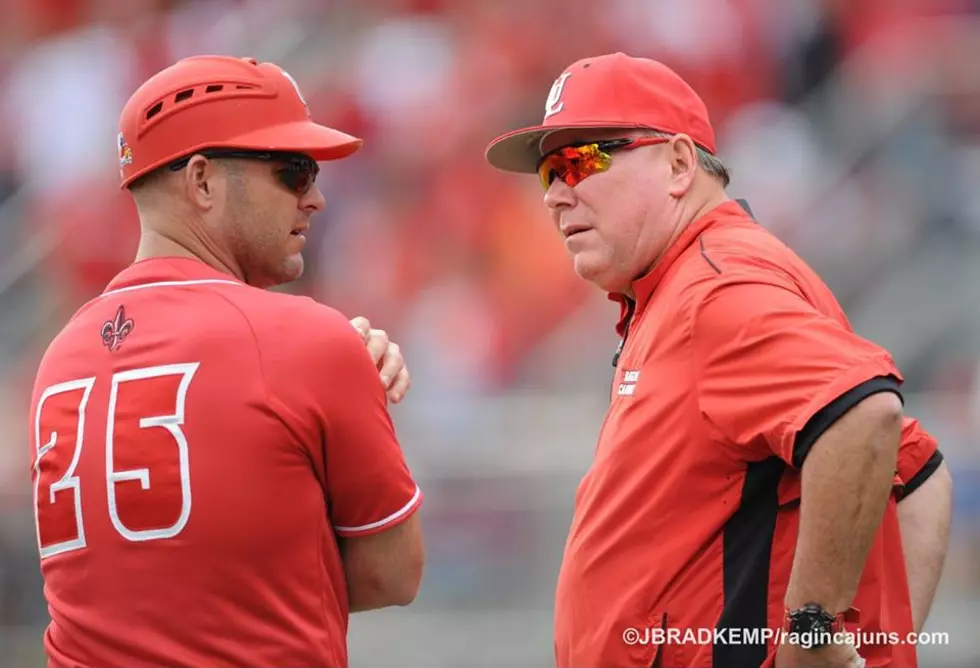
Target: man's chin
<point x="290" y="271"/>
<point x="293" y="269"/>
<point x="597" y="274"/>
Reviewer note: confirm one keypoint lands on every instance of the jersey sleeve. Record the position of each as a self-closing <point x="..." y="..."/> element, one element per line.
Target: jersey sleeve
<point x="352" y="441"/>
<point x="368" y="482"/>
<point x="918" y="456"/>
<point x="774" y="373"/>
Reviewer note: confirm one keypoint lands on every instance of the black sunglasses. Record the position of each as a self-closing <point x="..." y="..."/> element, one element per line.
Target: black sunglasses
<point x="297" y="174"/>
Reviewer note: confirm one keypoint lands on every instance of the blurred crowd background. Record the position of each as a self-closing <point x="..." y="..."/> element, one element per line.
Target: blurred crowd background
<point x="852" y="127"/>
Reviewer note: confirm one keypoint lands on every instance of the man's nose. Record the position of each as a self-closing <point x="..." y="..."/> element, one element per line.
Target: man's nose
<point x="313" y="201"/>
<point x="558" y="195"/>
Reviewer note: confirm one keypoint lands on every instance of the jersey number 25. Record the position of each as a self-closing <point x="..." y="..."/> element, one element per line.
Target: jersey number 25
<point x="142" y="431"/>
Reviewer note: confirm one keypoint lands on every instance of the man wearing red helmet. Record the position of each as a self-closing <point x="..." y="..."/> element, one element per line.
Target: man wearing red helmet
<point x="755" y="470"/>
<point x="217" y="478"/>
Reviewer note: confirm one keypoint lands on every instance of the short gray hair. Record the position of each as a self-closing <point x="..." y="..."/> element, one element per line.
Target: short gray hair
<point x="708" y="161"/>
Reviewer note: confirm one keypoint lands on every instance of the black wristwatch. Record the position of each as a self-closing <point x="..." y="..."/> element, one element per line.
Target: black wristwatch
<point x="812" y="620"/>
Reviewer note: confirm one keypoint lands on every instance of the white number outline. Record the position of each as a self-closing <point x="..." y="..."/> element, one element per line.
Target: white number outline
<point x="171" y="423"/>
<point x="69" y="480"/>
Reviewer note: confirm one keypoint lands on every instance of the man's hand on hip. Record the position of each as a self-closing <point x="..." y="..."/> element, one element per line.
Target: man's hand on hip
<point x="388" y="357"/>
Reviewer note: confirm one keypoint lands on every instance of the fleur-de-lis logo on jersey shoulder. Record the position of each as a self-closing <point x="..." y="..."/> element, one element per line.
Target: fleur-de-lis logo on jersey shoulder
<point x="116" y="330"/>
<point x="554" y="103"/>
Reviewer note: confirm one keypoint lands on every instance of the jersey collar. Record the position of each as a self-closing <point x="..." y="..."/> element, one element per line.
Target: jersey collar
<point x="167" y="269"/>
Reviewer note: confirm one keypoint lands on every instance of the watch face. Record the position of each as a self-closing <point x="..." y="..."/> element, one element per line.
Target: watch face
<point x="813" y="623"/>
<point x="812" y="626"/>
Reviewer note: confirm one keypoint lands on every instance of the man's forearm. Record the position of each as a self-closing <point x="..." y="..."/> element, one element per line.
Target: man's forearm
<point x="846" y="481"/>
<point x="384" y="569"/>
<point x="924" y="519"/>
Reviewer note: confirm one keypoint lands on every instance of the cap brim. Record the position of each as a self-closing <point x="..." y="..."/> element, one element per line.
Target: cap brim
<point x="520" y="150"/>
<point x="317" y="141"/>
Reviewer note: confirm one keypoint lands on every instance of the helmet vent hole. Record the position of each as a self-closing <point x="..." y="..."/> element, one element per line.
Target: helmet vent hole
<point x="213" y="88"/>
<point x="154" y="110"/>
<point x="245" y="87"/>
<point x="183" y="95"/>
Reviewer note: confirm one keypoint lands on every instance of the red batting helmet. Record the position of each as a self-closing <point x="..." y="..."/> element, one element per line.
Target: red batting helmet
<point x="220" y="102"/>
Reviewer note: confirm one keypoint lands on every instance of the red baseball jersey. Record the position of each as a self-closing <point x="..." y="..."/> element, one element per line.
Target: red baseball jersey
<point x="736" y="360"/>
<point x="197" y="447"/>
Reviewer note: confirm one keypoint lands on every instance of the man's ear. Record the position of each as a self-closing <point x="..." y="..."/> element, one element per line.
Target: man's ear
<point x="201" y="181"/>
<point x="683" y="156"/>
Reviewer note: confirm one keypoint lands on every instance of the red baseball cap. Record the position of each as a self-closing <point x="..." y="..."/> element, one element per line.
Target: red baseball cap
<point x="220" y="102"/>
<point x="609" y="91"/>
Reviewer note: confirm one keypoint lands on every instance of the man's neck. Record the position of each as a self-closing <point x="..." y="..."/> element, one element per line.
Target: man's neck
<point x="155" y="244"/>
<point x="712" y="202"/>
<point x="686" y="215"/>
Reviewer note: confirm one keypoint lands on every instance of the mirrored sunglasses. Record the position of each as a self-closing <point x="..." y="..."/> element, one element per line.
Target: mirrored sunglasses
<point x="573" y="164"/>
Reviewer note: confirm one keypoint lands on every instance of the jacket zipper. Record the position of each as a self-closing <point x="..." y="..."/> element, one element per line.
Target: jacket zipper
<point x="631" y="306"/>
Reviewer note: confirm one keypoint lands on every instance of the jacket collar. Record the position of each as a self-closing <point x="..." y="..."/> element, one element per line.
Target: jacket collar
<point x="644" y="286"/>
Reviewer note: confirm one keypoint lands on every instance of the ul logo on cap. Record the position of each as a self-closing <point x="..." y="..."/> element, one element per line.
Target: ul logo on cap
<point x="554" y="103"/>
